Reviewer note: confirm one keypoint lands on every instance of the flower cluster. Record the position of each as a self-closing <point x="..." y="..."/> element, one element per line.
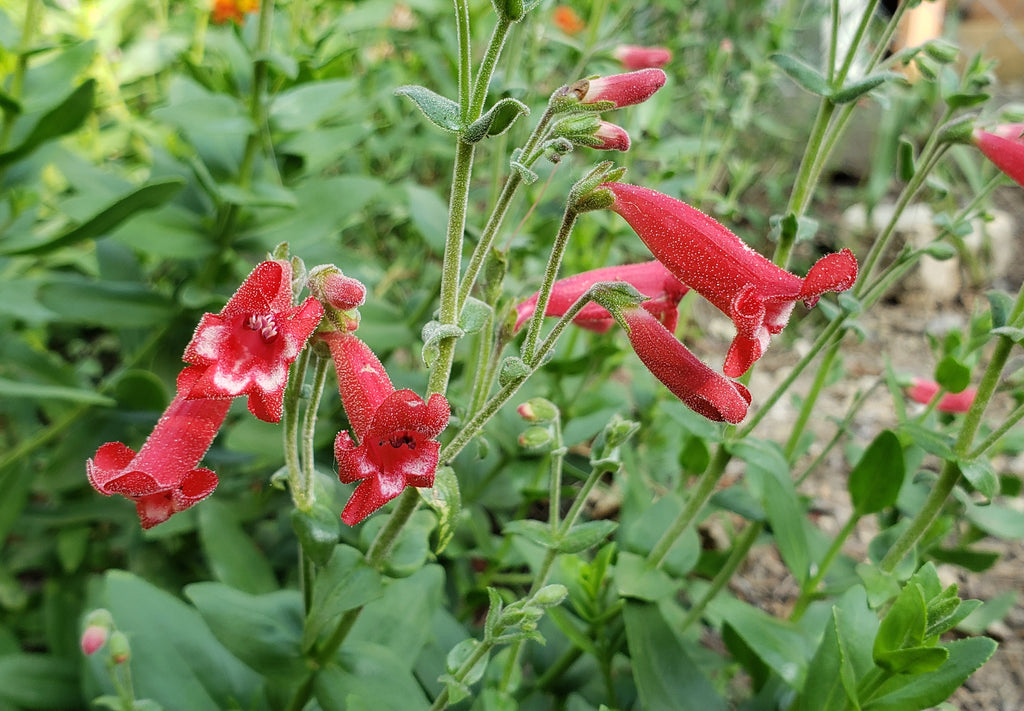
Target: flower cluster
<point x="586" y="96"/>
<point x="246" y="349"/>
<point x="695" y="252"/>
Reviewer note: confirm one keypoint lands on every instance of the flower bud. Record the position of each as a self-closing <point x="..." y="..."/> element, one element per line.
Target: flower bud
<point x="330" y="286"/>
<point x="120" y="650"/>
<point x="536" y="438"/>
<point x="550" y="595"/>
<point x="98" y="625"/>
<point x="634" y="57"/>
<point x="611" y="92"/>
<point x="538" y="409"/>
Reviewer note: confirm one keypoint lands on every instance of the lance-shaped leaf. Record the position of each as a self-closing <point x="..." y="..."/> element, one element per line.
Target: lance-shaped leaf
<point x="498" y="119"/>
<point x="58" y="121"/>
<point x="440" y="110"/>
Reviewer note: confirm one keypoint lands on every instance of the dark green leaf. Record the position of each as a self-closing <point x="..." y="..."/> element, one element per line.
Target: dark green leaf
<point x="498" y="119"/>
<point x="146" y="197"/>
<point x="347" y="582"/>
<point x="963" y="100"/>
<point x="231" y="554"/>
<point x="264" y="631"/>
<point x="667" y="678"/>
<point x="58" y="121"/>
<point x="586" y="535"/>
<point x="928" y="439"/>
<point x="109" y="304"/>
<point x="1001" y="305"/>
<point x="994" y="610"/>
<point x="875" y="481"/>
<point x="176" y="661"/>
<point x="778" y="643"/>
<point x="806" y="76"/>
<point x="14" y="389"/>
<point x="844" y="655"/>
<point x="914" y="660"/>
<point x="317" y="530"/>
<point x="905" y="163"/>
<point x="952" y="375"/>
<point x="636" y="578"/>
<point x="921" y="691"/>
<point x="538" y="532"/>
<point x="440" y="110"/>
<point x="981" y="475"/>
<point x="369" y="677"/>
<point x="39" y="681"/>
<point x="904" y="624"/>
<point x="974" y="560"/>
<point x="855" y="90"/>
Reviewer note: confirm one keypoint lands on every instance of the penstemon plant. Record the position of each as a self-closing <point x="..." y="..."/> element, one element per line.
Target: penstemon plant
<point x="447" y="537"/>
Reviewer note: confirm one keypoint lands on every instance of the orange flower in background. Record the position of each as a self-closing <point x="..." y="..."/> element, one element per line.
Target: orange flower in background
<point x="566" y="19"/>
<point x="233" y="10"/>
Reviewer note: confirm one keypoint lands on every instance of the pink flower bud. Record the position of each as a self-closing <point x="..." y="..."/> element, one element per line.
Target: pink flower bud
<point x="1004" y="146"/>
<point x="94" y="637"/>
<point x="636" y="57"/>
<point x="612" y="137"/>
<point x="329" y="285"/>
<point x="924" y="391"/>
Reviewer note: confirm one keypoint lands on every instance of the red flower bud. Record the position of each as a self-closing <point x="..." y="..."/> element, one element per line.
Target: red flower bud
<point x="1004" y="146"/>
<point x="635" y="57"/>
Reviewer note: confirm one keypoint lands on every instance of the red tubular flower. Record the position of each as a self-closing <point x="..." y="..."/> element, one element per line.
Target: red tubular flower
<point x="246" y="348"/>
<point x="396" y="430"/>
<point x="651" y="279"/>
<point x="162" y="478"/>
<point x="1004" y="146"/>
<point x="699" y="387"/>
<point x="634" y="57"/>
<point x="924" y="391"/>
<point x="756" y="294"/>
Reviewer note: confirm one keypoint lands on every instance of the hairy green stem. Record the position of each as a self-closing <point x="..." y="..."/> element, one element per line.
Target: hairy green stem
<point x="321" y="367"/>
<point x="550" y="275"/>
<point x="290" y="432"/>
<point x="739" y="553"/>
<point x="950" y="474"/>
<point x="699" y="496"/>
<point x="809" y="590"/>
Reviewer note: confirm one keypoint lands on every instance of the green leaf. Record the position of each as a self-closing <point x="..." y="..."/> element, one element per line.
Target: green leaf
<point x="58" y="121"/>
<point x="996" y="520"/>
<point x="981" y="618"/>
<point x="905" y="162"/>
<point x="38" y="391"/>
<point x="780" y="500"/>
<point x="176" y="661"/>
<point x="371" y="677"/>
<point x="498" y="119"/>
<point x="875" y="481"/>
<point x="854" y="90"/>
<point x="843" y="657"/>
<point x="264" y="631"/>
<point x="952" y="375"/>
<point x="77" y="299"/>
<point x="433" y="333"/>
<point x="317" y="530"/>
<point x="636" y="578"/>
<point x="231" y="554"/>
<point x="981" y="475"/>
<point x="929" y="440"/>
<point x="1001" y="305"/>
<point x="921" y="691"/>
<point x="806" y="76"/>
<point x="667" y="677"/>
<point x="976" y="561"/>
<point x="475" y="315"/>
<point x="904" y="624"/>
<point x="538" y="532"/>
<point x="347" y="582"/>
<point x="439" y="110"/>
<point x="777" y="643"/>
<point x="39" y="681"/>
<point x="145" y="197"/>
<point x="586" y="535"/>
<point x="914" y="660"/>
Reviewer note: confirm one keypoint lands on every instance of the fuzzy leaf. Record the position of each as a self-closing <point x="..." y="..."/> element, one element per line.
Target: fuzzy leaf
<point x="440" y="110"/>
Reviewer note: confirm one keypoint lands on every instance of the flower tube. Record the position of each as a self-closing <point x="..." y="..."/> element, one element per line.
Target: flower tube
<point x="247" y="348"/>
<point x="924" y="391"/>
<point x="757" y="295"/>
<point x="651" y="279"/>
<point x="396" y="430"/>
<point x="699" y="387"/>
<point x="162" y="478"/>
<point x="618" y="89"/>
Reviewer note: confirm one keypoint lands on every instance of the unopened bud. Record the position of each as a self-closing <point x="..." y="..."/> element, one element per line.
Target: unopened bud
<point x="98" y="625"/>
<point x="536" y="438"/>
<point x="120" y="650"/>
<point x="550" y="595"/>
<point x="538" y="409"/>
<point x="328" y="284"/>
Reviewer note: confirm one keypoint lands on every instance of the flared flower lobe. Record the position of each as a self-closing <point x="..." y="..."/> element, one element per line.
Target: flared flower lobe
<point x="162" y="478"/>
<point x="247" y="348"/>
<point x="757" y="295"/>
